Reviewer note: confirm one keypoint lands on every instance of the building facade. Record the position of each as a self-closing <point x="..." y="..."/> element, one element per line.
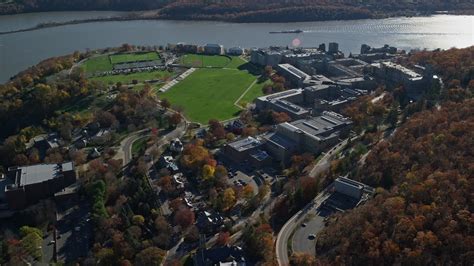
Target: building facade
<point x="36" y="182"/>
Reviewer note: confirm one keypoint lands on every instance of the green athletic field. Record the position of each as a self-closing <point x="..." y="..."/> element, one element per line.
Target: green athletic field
<point x="105" y="62"/>
<point x="197" y="60"/>
<point x="210" y="93"/>
<point x="131" y="57"/>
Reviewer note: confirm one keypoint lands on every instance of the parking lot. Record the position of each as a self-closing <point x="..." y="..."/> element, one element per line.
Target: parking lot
<point x="241" y="179"/>
<point x="74" y="234"/>
<point x="305" y="236"/>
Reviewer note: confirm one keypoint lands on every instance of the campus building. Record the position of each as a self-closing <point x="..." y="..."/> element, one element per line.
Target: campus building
<point x="312" y="100"/>
<point x="313" y="135"/>
<point x="235" y="51"/>
<point x="29" y="184"/>
<point x="292" y="74"/>
<point x="213" y="49"/>
<point x="266" y="57"/>
<point x="249" y="150"/>
<point x="395" y="75"/>
<point x="349" y="187"/>
<point x="289" y="101"/>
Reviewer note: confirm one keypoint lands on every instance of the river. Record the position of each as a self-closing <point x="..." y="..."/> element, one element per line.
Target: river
<point x="21" y="50"/>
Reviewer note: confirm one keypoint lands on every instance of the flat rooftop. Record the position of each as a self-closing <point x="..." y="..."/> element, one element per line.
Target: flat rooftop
<point x="32" y="174"/>
<point x="260" y="155"/>
<point x="317" y="126"/>
<point x="294" y="71"/>
<point x="280" y="141"/>
<point x="290" y="107"/>
<point x="280" y="95"/>
<point x="245" y="144"/>
<point x="350" y="182"/>
<point x="402" y="69"/>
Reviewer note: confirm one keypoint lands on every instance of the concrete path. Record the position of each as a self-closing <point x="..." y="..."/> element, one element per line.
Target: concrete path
<point x="175" y="81"/>
<point x="236" y="103"/>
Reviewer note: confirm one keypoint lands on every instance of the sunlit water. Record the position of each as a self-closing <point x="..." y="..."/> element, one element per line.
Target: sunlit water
<point x="20" y="50"/>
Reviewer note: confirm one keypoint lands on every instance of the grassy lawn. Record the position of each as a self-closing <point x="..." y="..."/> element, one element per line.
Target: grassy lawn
<point x="139" y="76"/>
<point x="254" y="92"/>
<point x="131" y="57"/>
<point x="236" y="62"/>
<point x="97" y="64"/>
<point x="198" y="60"/>
<point x="210" y="93"/>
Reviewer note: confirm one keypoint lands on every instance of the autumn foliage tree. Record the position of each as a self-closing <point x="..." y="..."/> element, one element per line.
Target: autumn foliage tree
<point x="184" y="217"/>
<point x="424" y="216"/>
<point x="223" y="238"/>
<point x="195" y="155"/>
<point x="258" y="243"/>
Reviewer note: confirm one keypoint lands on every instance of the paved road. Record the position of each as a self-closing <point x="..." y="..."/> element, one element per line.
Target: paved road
<point x="301" y="241"/>
<point x="126" y="144"/>
<point x="325" y="163"/>
<point x="293" y="223"/>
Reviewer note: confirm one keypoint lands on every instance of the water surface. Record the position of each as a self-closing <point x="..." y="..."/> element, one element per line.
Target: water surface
<point x="21" y="50"/>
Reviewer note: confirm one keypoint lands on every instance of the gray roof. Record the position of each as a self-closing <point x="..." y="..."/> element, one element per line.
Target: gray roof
<point x="290" y="107"/>
<point x="317" y="126"/>
<point x="215" y="45"/>
<point x="280" y="95"/>
<point x="294" y="71"/>
<point x="280" y="140"/>
<point x="33" y="174"/>
<point x="245" y="144"/>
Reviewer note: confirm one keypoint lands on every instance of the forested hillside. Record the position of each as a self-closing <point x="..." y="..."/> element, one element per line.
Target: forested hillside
<point x="425" y="214"/>
<point x="427" y="217"/>
<point x="246" y="10"/>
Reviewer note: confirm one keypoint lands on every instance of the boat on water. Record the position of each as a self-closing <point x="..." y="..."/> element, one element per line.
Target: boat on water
<point x="287" y="31"/>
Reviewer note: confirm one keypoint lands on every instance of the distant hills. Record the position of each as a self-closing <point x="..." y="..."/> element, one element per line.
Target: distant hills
<point x="247" y="10"/>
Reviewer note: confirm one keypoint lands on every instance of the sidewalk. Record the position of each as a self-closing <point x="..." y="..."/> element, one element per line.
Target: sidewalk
<point x="176" y="80"/>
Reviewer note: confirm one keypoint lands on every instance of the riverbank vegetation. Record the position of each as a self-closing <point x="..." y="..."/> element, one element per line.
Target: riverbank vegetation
<point x="246" y="10"/>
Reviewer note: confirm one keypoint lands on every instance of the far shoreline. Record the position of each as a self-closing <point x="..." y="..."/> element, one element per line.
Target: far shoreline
<point x="137" y="17"/>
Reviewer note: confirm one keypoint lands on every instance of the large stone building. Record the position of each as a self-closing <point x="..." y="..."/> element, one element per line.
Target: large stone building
<point x="29" y="184"/>
<point x="289" y="101"/>
<point x="394" y="74"/>
<point x="213" y="49"/>
<point x="311" y="100"/>
<point x="313" y="135"/>
<point x="266" y="57"/>
<point x="293" y="75"/>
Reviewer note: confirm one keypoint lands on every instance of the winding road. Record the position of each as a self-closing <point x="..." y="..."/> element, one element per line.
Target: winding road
<point x="287" y="229"/>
